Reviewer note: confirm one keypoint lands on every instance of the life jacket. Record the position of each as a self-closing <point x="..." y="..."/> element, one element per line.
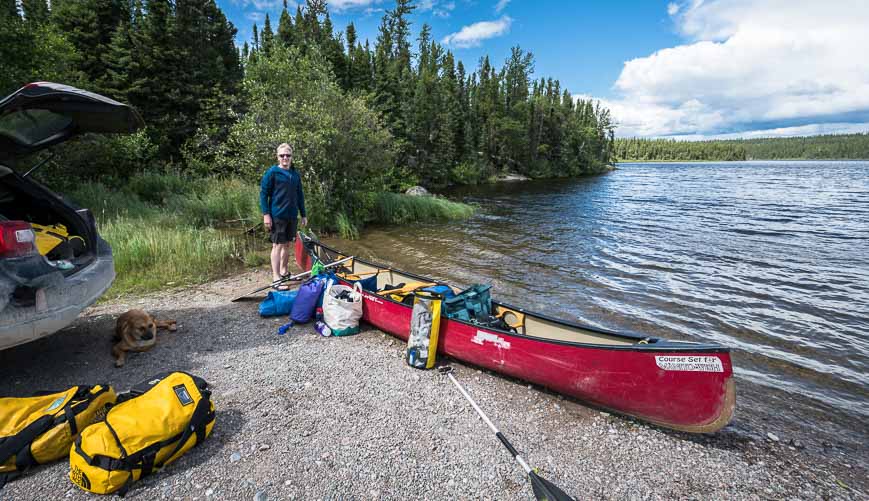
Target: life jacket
<point x="472" y="304"/>
<point x="403" y="292"/>
<point x="153" y="425"/>
<point x="41" y="428"/>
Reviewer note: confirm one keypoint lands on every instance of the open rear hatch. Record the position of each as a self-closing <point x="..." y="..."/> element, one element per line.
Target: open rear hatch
<point x="37" y="116"/>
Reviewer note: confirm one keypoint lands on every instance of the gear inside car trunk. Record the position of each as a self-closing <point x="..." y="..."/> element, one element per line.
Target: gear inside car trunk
<point x="66" y="236"/>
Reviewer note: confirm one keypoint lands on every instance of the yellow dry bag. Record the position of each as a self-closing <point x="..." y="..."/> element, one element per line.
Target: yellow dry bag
<point x="55" y="242"/>
<point x="41" y="428"/>
<point x="153" y="425"/>
<point x="425" y="323"/>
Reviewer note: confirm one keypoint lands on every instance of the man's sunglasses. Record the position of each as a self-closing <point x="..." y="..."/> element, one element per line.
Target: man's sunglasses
<point x="285" y="156"/>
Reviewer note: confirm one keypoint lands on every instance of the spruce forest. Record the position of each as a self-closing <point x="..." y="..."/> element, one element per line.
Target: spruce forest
<point x="365" y="116"/>
<point x="828" y="147"/>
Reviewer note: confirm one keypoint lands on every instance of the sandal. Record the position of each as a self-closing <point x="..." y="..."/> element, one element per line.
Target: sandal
<point x="281" y="287"/>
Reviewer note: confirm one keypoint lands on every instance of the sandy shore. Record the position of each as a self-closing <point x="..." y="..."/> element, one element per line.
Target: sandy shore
<point x="305" y="417"/>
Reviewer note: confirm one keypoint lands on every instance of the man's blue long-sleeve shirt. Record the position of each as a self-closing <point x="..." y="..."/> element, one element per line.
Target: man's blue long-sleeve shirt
<point x="281" y="193"/>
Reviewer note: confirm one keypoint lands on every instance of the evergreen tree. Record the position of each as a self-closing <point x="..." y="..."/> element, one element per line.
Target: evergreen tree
<point x="35" y="11"/>
<point x="286" y="33"/>
<point x="267" y="36"/>
<point x="119" y="59"/>
<point x="8" y="10"/>
<point x="89" y="25"/>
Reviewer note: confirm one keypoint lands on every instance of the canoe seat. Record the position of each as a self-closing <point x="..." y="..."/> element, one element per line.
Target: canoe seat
<point x="513" y="318"/>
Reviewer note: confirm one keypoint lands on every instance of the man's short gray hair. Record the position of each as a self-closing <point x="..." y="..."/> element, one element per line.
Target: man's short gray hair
<point x="284" y="146"/>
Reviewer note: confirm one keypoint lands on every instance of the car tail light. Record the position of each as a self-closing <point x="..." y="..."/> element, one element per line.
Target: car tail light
<point x="16" y="239"/>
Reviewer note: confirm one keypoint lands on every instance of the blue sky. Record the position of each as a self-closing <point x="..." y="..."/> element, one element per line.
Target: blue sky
<point x="687" y="69"/>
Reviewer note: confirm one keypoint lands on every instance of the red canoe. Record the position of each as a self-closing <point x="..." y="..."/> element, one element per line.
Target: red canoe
<point x="681" y="385"/>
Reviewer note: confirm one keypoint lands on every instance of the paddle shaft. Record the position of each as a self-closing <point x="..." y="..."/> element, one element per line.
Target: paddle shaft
<point x="498" y="434"/>
<point x="294" y="277"/>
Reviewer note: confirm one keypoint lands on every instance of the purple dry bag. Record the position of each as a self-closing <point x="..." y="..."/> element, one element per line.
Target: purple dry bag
<point x="306" y="301"/>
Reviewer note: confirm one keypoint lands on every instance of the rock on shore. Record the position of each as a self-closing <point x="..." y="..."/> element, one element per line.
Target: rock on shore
<point x="305" y="417"/>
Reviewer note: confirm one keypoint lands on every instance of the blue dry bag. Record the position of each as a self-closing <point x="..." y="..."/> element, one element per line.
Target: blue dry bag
<point x="277" y="303"/>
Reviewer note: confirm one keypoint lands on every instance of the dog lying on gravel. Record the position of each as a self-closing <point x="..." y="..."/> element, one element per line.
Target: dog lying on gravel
<point x="135" y="330"/>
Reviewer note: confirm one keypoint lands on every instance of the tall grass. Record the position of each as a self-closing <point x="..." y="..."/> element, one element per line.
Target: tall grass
<point x="150" y="255"/>
<point x="218" y="201"/>
<point x="163" y="228"/>
<point x="170" y="229"/>
<point x="346" y="228"/>
<point x="107" y="204"/>
<point x="392" y="208"/>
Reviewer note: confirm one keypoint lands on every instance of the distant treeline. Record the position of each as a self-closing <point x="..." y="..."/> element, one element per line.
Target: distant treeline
<point x="841" y="146"/>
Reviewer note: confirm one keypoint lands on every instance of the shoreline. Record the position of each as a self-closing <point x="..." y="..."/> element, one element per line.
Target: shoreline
<point x="300" y="416"/>
<point x="741" y="161"/>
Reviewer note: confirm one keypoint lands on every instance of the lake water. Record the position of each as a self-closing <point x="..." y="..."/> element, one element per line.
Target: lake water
<point x="768" y="258"/>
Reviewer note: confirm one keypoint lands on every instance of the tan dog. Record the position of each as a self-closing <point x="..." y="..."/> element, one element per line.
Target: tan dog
<point x="135" y="330"/>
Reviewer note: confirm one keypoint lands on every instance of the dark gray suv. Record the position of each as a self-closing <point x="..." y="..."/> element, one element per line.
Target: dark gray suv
<point x="53" y="264"/>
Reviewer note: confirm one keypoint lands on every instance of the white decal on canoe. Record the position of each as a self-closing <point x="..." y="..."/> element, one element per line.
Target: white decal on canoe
<point x="495" y="339"/>
<point x="373" y="299"/>
<point x="689" y="363"/>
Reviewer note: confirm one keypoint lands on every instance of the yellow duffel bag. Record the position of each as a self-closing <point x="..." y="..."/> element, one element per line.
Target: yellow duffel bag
<point x="41" y="428"/>
<point x="151" y="426"/>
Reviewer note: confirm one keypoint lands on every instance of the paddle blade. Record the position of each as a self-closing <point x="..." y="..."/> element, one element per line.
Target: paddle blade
<point x="545" y="490"/>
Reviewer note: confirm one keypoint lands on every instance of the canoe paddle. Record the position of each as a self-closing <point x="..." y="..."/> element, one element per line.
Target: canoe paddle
<point x="289" y="279"/>
<point x="544" y="490"/>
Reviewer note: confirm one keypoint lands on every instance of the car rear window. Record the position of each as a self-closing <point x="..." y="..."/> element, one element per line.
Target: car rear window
<point x="30" y="127"/>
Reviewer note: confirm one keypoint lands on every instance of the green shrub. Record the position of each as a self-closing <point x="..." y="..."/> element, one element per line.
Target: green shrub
<point x="341" y="148"/>
<point x="156" y="188"/>
<point x="109" y="159"/>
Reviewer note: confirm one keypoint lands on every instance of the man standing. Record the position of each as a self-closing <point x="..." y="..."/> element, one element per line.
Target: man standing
<point x="281" y="200"/>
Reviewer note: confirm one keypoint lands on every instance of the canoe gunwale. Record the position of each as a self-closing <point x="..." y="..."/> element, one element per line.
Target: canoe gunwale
<point x="663" y="345"/>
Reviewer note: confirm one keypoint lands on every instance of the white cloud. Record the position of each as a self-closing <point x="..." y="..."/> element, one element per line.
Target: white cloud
<point x="672" y="8"/>
<point x="256" y="17"/>
<point x="437" y="7"/>
<point x="501" y="5"/>
<point x="344" y="5"/>
<point x="260" y="4"/>
<point x="370" y="11"/>
<point x="750" y="65"/>
<point x="802" y="130"/>
<point x="474" y="34"/>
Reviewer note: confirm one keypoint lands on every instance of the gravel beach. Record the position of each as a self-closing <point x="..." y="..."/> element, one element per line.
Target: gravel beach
<point x="300" y="416"/>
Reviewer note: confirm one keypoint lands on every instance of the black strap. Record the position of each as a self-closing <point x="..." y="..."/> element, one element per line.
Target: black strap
<point x="13" y="445"/>
<point x="198" y="421"/>
<point x="148" y="463"/>
<point x="6" y="477"/>
<point x="117" y="439"/>
<point x="69" y="413"/>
